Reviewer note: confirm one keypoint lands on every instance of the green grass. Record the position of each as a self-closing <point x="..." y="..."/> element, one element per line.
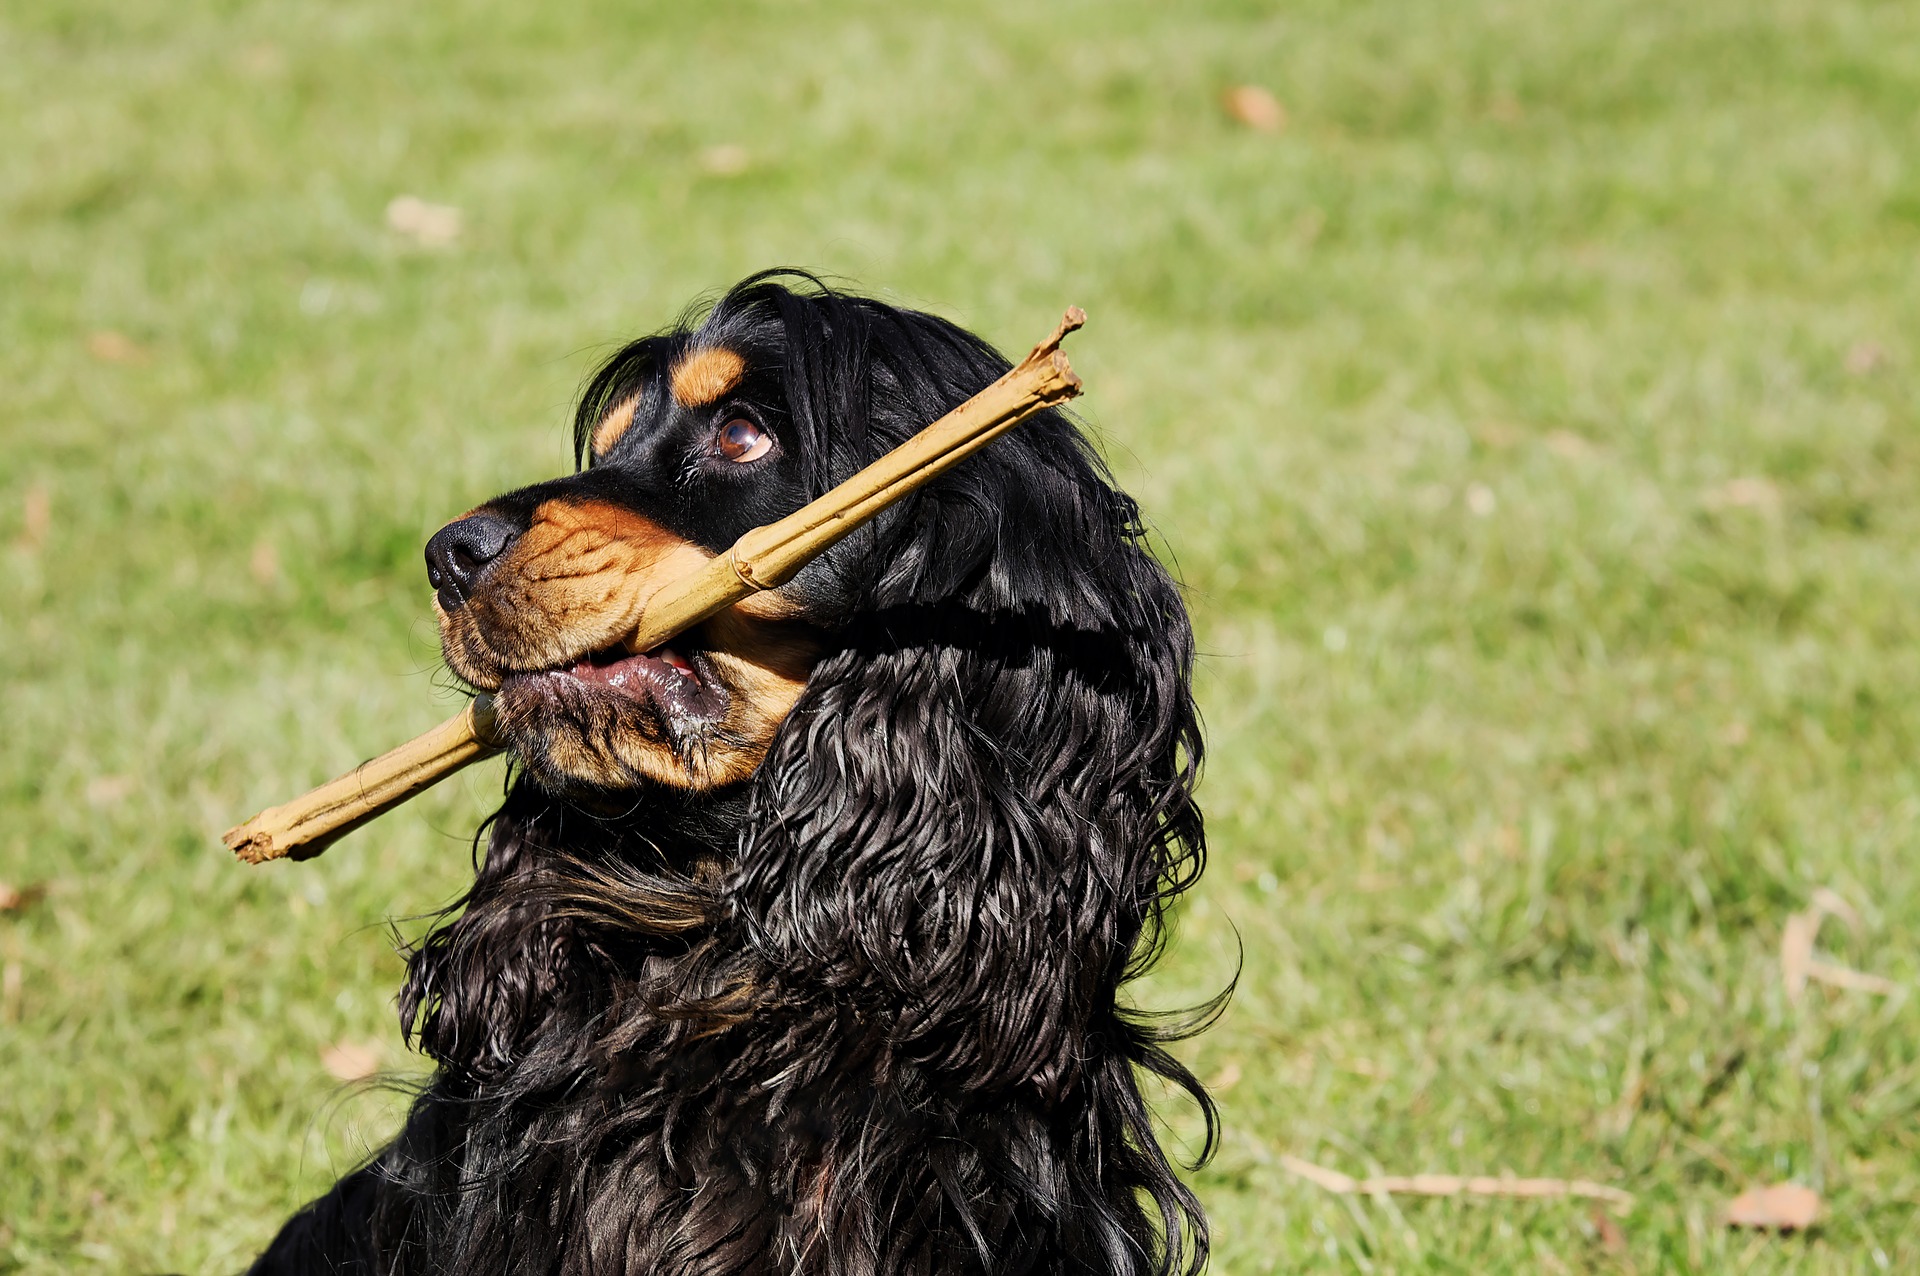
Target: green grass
<point x="1525" y="739"/>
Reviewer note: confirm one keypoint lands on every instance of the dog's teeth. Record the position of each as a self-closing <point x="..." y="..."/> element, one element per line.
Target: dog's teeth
<point x="673" y="660"/>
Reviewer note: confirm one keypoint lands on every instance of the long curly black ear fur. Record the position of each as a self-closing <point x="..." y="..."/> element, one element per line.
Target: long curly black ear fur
<point x="970" y="827"/>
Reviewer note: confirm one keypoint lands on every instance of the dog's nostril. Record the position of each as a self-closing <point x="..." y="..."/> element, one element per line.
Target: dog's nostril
<point x="459" y="552"/>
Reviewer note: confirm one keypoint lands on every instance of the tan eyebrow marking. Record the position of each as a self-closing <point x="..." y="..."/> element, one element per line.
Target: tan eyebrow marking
<point x="702" y="376"/>
<point x="614" y="424"/>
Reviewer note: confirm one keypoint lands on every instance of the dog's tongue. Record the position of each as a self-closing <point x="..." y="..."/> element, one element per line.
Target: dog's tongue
<point x="612" y="665"/>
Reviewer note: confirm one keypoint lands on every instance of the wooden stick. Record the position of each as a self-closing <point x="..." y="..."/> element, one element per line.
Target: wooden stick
<point x="763" y="558"/>
<point x="1451" y="1184"/>
<point x="312" y="822"/>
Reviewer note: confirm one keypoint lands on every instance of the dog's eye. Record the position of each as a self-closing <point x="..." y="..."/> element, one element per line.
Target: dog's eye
<point x="742" y="440"/>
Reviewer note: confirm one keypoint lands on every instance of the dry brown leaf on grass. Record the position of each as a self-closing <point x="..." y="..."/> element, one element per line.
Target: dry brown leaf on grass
<point x="350" y="1060"/>
<point x="109" y="346"/>
<point x="263" y="60"/>
<point x="434" y="225"/>
<point x="1864" y="358"/>
<point x="14" y="899"/>
<point x="1453" y="1185"/>
<point x="1607" y="1229"/>
<point x="36" y="516"/>
<point x="1784" y="1207"/>
<point x="1505" y="109"/>
<point x="1570" y="446"/>
<point x="263" y="564"/>
<point x="1798" y="964"/>
<point x="1748" y="492"/>
<point x="728" y="159"/>
<point x="13" y="978"/>
<point x="110" y="790"/>
<point x="1255" y="107"/>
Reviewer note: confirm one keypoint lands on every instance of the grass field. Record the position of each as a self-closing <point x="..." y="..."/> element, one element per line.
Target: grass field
<point x="1533" y="419"/>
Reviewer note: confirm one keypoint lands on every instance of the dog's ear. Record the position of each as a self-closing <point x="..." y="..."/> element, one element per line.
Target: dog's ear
<point x="982" y="803"/>
<point x="967" y="830"/>
<point x="964" y="837"/>
<point x="481" y="983"/>
<point x="502" y="969"/>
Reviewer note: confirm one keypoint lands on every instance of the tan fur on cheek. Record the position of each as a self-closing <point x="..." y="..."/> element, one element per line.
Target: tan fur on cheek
<point x="614" y="424"/>
<point x="765" y="668"/>
<point x="702" y="376"/>
<point x="573" y="581"/>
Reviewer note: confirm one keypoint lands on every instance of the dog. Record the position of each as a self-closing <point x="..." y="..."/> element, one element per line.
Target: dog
<point x="796" y="945"/>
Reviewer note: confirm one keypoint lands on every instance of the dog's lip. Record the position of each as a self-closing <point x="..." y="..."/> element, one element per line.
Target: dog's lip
<point x="616" y="667"/>
<point x="677" y="683"/>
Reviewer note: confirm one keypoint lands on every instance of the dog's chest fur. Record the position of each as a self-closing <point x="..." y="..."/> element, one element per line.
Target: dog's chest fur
<point x="622" y="1078"/>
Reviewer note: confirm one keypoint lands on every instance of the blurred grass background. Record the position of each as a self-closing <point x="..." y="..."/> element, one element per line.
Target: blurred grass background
<point x="1532" y="417"/>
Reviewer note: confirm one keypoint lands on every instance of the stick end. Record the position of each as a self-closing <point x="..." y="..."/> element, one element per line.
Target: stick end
<point x="1063" y="383"/>
<point x="1072" y="321"/>
<point x="249" y="845"/>
<point x="1071" y="383"/>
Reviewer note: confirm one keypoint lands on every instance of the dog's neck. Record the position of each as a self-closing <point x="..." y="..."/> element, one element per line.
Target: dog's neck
<point x="683" y="828"/>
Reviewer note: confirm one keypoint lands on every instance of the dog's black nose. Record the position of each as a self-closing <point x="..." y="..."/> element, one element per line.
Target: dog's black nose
<point x="459" y="551"/>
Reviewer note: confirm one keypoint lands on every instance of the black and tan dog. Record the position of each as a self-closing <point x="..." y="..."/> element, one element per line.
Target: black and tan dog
<point x="796" y="944"/>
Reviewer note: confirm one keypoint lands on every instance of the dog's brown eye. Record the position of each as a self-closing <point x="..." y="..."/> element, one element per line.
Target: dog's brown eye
<point x="742" y="440"/>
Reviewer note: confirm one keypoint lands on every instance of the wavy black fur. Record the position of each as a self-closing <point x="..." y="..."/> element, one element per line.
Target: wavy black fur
<point x="860" y="1014"/>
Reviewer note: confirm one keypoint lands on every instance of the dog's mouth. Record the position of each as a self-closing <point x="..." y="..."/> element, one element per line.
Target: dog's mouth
<point x="677" y="681"/>
<point x="579" y="699"/>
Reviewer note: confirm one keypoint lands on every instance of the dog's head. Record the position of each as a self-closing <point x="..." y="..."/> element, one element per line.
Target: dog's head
<point x="687" y="439"/>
